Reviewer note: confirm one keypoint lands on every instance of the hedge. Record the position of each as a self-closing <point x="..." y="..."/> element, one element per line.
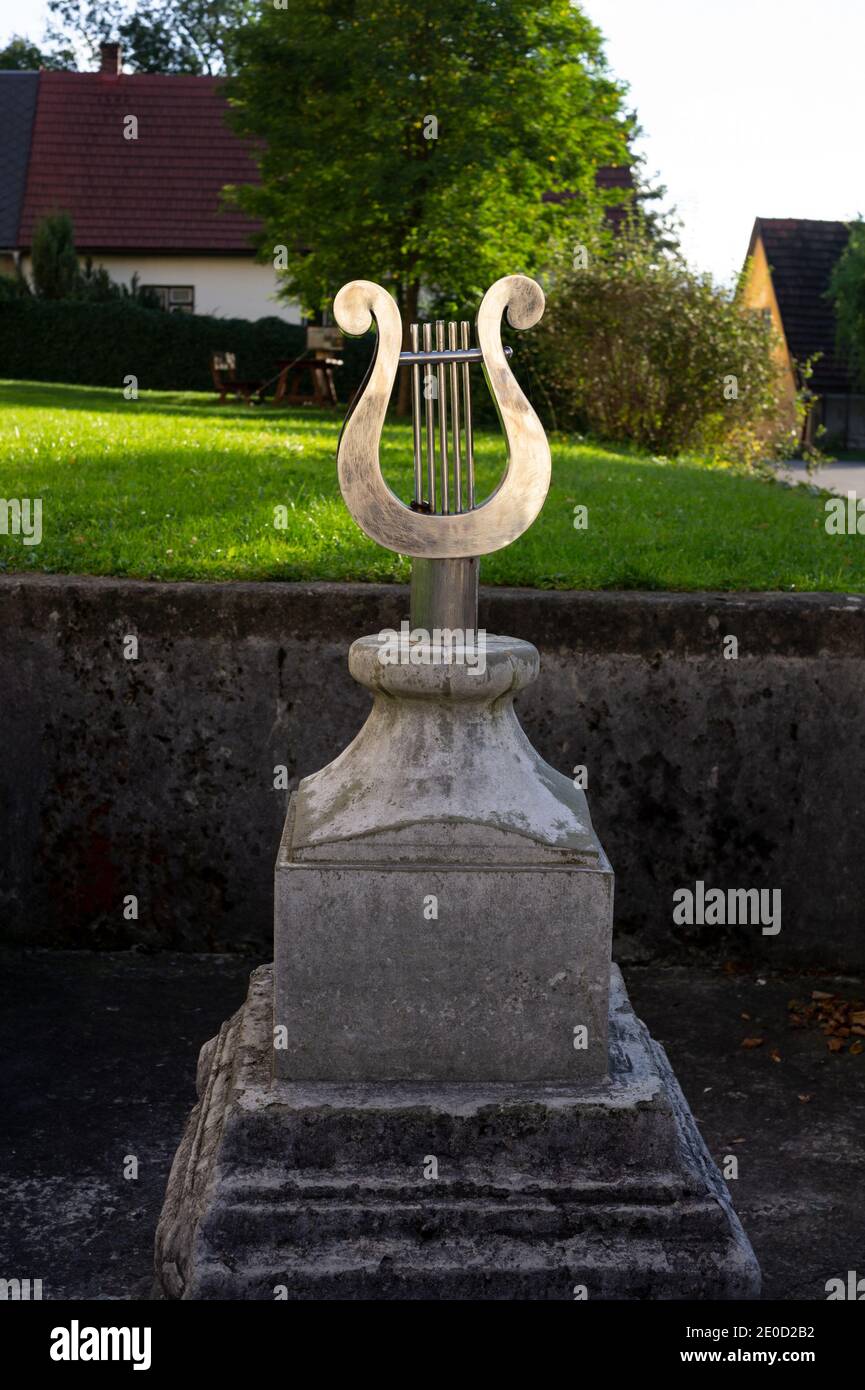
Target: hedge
<point x="99" y="344"/>
<point x="93" y="344"/>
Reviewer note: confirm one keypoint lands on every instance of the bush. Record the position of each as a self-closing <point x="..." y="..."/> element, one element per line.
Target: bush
<point x="55" y="262"/>
<point x="83" y="328"/>
<point x="97" y="344"/>
<point x="13" y="287"/>
<point x="637" y="347"/>
<point x="58" y="275"/>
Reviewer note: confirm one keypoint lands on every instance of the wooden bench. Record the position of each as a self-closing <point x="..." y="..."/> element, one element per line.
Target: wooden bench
<point x="223" y="369"/>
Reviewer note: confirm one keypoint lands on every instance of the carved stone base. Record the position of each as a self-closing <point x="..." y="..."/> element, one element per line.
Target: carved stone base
<point x="452" y="1190"/>
<point x="441" y="805"/>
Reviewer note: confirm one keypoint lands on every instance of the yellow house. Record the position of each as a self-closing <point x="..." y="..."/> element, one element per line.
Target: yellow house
<point x="787" y="274"/>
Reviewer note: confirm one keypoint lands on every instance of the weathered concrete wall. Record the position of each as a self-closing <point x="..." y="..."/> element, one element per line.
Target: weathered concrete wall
<point x="154" y="776"/>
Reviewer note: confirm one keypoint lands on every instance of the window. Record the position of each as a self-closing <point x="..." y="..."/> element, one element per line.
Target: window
<point x="175" y="299"/>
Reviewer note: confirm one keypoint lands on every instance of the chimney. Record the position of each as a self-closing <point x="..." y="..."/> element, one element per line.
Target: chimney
<point x="111" y="59"/>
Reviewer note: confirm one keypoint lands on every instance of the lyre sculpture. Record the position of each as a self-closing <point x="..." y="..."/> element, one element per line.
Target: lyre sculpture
<point x="439" y="1089"/>
<point x="444" y="530"/>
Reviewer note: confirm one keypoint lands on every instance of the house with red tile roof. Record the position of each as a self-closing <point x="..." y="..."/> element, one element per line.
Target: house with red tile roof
<point x="788" y="269"/>
<point x="139" y="161"/>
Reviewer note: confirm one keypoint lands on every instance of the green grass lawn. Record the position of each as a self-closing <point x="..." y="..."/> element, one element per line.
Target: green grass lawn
<point x="175" y="487"/>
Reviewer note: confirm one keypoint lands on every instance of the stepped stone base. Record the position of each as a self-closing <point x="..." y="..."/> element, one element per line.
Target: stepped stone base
<point x="443" y="1191"/>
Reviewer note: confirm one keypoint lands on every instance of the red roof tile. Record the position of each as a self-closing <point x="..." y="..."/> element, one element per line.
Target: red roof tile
<point x="160" y="192"/>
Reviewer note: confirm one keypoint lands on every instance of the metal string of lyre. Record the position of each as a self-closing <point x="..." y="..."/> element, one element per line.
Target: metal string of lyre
<point x="448" y="363"/>
<point x="444" y="593"/>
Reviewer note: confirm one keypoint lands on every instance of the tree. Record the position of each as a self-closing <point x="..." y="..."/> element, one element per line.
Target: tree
<point x="174" y="36"/>
<point x="58" y="275"/>
<point x="414" y="144"/>
<point x="21" y="55"/>
<point x="55" y="262"/>
<point x="847" y="292"/>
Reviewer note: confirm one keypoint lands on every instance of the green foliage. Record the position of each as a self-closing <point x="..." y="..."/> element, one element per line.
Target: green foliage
<point x="58" y="275"/>
<point x="414" y="144"/>
<point x="847" y="292"/>
<point x="21" y="55"/>
<point x="54" y="259"/>
<point x="176" y="487"/>
<point x="97" y="343"/>
<point x="635" y="346"/>
<point x="13" y="288"/>
<point x="174" y="36"/>
<point x="95" y="286"/>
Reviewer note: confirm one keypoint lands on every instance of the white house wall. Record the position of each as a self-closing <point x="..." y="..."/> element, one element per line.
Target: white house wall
<point x="226" y="286"/>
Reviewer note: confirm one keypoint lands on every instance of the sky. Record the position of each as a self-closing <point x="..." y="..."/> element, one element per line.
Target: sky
<point x="25" y="17"/>
<point x="749" y="107"/>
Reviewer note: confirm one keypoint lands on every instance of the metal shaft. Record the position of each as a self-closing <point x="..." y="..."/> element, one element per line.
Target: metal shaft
<point x="465" y="339"/>
<point x="407" y="356"/>
<point x="444" y="594"/>
<point x="441" y="371"/>
<point x="415" y="419"/>
<point x="455" y="416"/>
<point x="440" y="365"/>
<point x="429" y="420"/>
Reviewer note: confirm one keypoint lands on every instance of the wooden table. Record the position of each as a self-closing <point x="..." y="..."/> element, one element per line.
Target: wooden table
<point x="317" y="368"/>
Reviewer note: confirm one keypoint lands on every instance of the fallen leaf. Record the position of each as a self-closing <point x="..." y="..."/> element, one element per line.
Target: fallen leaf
<point x="836" y="1018"/>
<point x="805" y="1096"/>
<point x="753" y="1042"/>
<point x="747" y="1017"/>
<point x="835" y="1045"/>
<point x="856" y="1049"/>
<point x="775" y="1055"/>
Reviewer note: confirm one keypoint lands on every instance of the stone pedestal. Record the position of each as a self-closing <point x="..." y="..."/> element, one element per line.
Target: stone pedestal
<point x="319" y="1190"/>
<point x="440" y="1089"/>
<point x="444" y="910"/>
